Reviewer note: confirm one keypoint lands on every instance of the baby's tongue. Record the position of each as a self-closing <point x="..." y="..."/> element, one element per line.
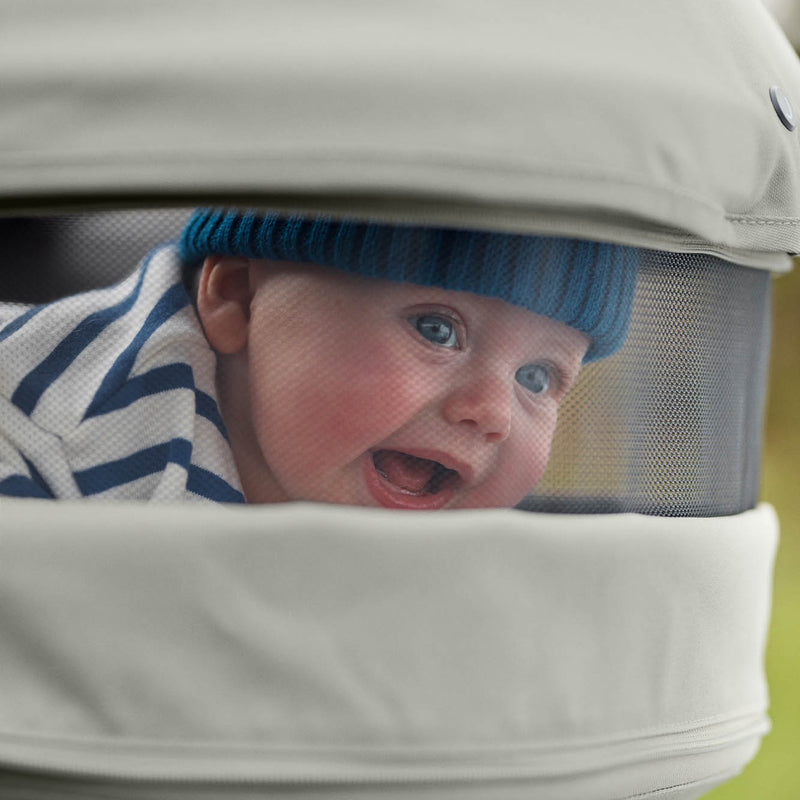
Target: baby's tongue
<point x="407" y="472"/>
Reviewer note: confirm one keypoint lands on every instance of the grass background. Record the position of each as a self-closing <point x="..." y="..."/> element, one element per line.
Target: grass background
<point x="774" y="774"/>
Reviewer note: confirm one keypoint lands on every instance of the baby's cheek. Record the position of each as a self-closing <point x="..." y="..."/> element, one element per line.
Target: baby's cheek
<point x="359" y="408"/>
<point x="386" y="386"/>
<point x="376" y="406"/>
<point x="527" y="456"/>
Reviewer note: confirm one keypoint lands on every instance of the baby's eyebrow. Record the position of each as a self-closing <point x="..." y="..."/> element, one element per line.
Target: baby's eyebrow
<point x="555" y="348"/>
<point x="568" y="363"/>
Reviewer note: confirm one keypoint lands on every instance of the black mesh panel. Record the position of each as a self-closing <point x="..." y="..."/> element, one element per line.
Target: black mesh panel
<point x="671" y="424"/>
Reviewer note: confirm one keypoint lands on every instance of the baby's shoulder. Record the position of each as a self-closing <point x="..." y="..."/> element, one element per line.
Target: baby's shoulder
<point x="83" y="346"/>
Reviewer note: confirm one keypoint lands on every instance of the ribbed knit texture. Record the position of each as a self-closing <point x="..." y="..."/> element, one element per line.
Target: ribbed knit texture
<point x="587" y="285"/>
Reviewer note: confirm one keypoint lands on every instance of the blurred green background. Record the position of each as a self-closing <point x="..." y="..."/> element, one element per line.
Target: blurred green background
<point x="775" y="772"/>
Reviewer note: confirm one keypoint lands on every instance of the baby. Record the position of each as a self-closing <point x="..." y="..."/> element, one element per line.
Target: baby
<point x="355" y="363"/>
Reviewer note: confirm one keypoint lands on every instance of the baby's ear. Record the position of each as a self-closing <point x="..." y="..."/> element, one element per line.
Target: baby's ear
<point x="223" y="302"/>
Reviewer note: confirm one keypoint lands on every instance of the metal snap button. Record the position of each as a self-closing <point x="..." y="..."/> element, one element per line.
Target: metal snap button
<point x="783" y="108"/>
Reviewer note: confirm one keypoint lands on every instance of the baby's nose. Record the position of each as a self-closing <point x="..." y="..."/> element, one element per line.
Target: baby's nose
<point x="484" y="404"/>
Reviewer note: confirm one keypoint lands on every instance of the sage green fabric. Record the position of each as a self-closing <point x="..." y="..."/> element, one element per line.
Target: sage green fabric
<point x="643" y="123"/>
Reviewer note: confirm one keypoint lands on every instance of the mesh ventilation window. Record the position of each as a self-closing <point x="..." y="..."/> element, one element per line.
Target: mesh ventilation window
<point x="670" y="425"/>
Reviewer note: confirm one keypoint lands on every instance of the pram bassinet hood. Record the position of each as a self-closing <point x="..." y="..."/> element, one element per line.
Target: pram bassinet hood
<point x="630" y="122"/>
<point x="635" y="122"/>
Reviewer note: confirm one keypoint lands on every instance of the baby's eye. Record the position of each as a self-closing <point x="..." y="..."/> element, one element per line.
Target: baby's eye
<point x="536" y="378"/>
<point x="436" y="329"/>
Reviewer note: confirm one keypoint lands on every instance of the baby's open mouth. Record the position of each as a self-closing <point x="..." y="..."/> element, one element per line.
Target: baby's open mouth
<point x="413" y="475"/>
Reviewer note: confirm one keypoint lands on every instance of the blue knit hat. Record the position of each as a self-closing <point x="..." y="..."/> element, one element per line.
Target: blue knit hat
<point x="587" y="285"/>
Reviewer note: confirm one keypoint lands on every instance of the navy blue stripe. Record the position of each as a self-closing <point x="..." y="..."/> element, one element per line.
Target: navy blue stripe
<point x="157" y="380"/>
<point x="211" y="486"/>
<point x="137" y="465"/>
<point x="17" y="323"/>
<point x="22" y="486"/>
<point x="173" y="300"/>
<point x="164" y="379"/>
<point x="38" y="479"/>
<point x="206" y="406"/>
<point x="37" y="381"/>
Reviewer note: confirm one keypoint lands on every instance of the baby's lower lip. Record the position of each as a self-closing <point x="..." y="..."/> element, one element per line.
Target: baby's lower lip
<point x="386" y="494"/>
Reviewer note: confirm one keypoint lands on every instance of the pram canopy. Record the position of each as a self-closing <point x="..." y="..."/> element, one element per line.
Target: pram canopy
<point x="308" y="651"/>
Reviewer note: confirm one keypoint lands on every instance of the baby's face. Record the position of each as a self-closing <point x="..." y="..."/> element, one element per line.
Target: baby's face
<point x="366" y="392"/>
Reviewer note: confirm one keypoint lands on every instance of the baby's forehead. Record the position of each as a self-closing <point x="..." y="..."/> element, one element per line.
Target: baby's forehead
<point x="494" y="316"/>
<point x="489" y="306"/>
<point x="482" y="315"/>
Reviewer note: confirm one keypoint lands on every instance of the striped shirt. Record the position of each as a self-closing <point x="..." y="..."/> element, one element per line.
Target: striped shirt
<point x="110" y="395"/>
